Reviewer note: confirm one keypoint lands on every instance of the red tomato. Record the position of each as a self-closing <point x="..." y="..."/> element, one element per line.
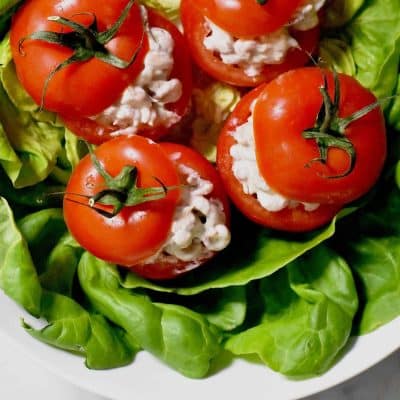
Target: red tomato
<point x="196" y="31"/>
<point x="137" y="232"/>
<point x="182" y="155"/>
<point x="288" y="106"/>
<point x="289" y="219"/>
<point x="97" y="134"/>
<point x="83" y="88"/>
<point x="247" y="17"/>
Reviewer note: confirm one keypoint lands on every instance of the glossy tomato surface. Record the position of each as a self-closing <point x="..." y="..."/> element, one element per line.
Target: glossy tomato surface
<point x="244" y="18"/>
<point x="137" y="232"/>
<point x="288" y="106"/>
<point x="97" y="134"/>
<point x="196" y="30"/>
<point x="289" y="219"/>
<point x="83" y="88"/>
<point x="184" y="156"/>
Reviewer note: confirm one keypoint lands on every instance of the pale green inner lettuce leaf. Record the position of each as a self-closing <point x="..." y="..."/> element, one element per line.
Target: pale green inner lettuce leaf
<point x="339" y="12"/>
<point x="30" y="141"/>
<point x="212" y="106"/>
<point x="6" y="5"/>
<point x="307" y="316"/>
<point x="169" y="8"/>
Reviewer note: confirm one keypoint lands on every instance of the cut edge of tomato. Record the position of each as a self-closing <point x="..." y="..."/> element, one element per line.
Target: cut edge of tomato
<point x="196" y="31"/>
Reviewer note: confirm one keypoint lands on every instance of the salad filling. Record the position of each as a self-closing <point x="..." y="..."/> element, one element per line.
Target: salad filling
<point x="145" y="101"/>
<point x="246" y="170"/>
<point x="252" y="54"/>
<point x="199" y="225"/>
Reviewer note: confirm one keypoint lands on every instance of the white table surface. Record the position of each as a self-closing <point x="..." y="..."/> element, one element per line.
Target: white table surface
<point x="22" y="378"/>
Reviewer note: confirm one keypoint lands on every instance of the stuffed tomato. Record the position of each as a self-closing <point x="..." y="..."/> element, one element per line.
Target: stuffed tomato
<point x="107" y="69"/>
<point x="292" y="161"/>
<point x="158" y="209"/>
<point x="248" y="42"/>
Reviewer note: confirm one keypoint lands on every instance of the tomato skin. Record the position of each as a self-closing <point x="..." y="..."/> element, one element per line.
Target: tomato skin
<point x="137" y="232"/>
<point x="102" y="83"/>
<point x="196" y="31"/>
<point x="289" y="219"/>
<point x="179" y="155"/>
<point x="243" y="18"/>
<point x="95" y="133"/>
<point x="280" y="117"/>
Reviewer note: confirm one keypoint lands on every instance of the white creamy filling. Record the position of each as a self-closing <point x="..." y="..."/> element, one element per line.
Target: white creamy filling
<point x="306" y="16"/>
<point x="199" y="226"/>
<point x="144" y="102"/>
<point x="253" y="54"/>
<point x="246" y="171"/>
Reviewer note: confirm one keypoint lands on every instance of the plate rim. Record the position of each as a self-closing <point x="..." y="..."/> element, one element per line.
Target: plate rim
<point x="305" y="388"/>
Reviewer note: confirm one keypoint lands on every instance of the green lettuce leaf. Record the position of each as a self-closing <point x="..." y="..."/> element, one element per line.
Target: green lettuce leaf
<point x="182" y="338"/>
<point x="375" y="41"/>
<point x="169" y="8"/>
<point x="307" y="316"/>
<point x="30" y="140"/>
<point x="376" y="265"/>
<point x="253" y="254"/>
<point x="340" y="12"/>
<point x="18" y="277"/>
<point x="370" y="243"/>
<point x="212" y="106"/>
<point x="74" y="329"/>
<point x="40" y="237"/>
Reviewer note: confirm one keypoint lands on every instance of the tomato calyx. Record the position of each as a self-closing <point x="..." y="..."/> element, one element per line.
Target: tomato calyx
<point x="122" y="190"/>
<point x="87" y="42"/>
<point x="329" y="130"/>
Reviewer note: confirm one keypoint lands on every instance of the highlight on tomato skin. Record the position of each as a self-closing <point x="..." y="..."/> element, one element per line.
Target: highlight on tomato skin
<point x="230" y="59"/>
<point x="271" y="150"/>
<point x="97" y="100"/>
<point x="171" y="218"/>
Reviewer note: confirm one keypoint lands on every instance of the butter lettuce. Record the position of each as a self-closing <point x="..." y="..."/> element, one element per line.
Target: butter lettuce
<point x="180" y="337"/>
<point x="36" y="255"/>
<point x="340" y="12"/>
<point x="169" y="8"/>
<point x="293" y="300"/>
<point x="368" y="47"/>
<point x="308" y="309"/>
<point x="30" y="140"/>
<point x="212" y="106"/>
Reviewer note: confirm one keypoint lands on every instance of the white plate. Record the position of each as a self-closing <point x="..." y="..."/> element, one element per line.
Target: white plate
<point x="147" y="378"/>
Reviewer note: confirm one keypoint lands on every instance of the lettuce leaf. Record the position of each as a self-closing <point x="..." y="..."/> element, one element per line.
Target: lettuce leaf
<point x="308" y="309"/>
<point x="71" y="327"/>
<point x="30" y="140"/>
<point x="369" y="241"/>
<point x="182" y="338"/>
<point x="253" y="254"/>
<point x="169" y="8"/>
